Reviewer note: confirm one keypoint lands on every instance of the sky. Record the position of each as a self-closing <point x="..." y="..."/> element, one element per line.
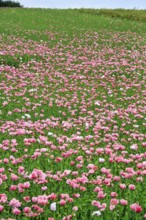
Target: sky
<point x="127" y="4"/>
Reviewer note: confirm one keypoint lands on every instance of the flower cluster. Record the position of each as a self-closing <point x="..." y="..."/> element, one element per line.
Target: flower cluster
<point x="72" y="124"/>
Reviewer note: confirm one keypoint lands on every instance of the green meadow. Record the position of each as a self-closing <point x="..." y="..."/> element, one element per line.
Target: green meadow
<point x="17" y="21"/>
<point x="72" y="114"/>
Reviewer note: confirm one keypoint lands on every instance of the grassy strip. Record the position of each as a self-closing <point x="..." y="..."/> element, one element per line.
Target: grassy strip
<point x="134" y="15"/>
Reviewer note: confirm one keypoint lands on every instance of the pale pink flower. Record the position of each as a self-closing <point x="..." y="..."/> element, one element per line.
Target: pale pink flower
<point x="52" y="196"/>
<point x="123" y="202"/>
<point x="144" y="144"/>
<point x="13" y="188"/>
<point x="132" y="187"/>
<point x="101" y="160"/>
<point x="53" y="206"/>
<point x="136" y="207"/>
<point x="103" y="206"/>
<point x="3" y="198"/>
<point x="101" y="195"/>
<point x="72" y="163"/>
<point x="42" y="200"/>
<point x="113" y="203"/>
<point x="134" y="147"/>
<point x="113" y="194"/>
<point x="6" y="160"/>
<point x="122" y="186"/>
<point x="26" y="185"/>
<point x="116" y="178"/>
<point x="26" y="198"/>
<point x="76" y="195"/>
<point x="75" y="208"/>
<point x="16" y="211"/>
<point x="15" y="203"/>
<point x="69" y="217"/>
<point x="43" y="188"/>
<point x="42" y="138"/>
<point x="62" y="202"/>
<point x="27" y="210"/>
<point x="70" y="200"/>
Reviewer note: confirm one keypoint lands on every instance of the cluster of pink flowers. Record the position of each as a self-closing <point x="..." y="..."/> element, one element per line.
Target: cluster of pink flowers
<point x="73" y="127"/>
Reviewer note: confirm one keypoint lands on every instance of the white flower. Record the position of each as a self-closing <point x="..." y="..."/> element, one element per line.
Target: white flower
<point x="53" y="206"/>
<point x="97" y="103"/>
<point x="98" y="213"/>
<point x="101" y="160"/>
<point x="27" y="115"/>
<point x="134" y="147"/>
<point x="38" y="140"/>
<point x="32" y="90"/>
<point x="135" y="126"/>
<point x="50" y="133"/>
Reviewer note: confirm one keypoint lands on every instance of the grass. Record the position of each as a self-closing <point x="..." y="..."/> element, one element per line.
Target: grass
<point x="66" y="21"/>
<point x="134" y="15"/>
<point x="72" y="114"/>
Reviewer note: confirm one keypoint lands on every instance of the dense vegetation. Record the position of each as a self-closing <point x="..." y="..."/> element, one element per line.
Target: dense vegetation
<point x="136" y="15"/>
<point x="10" y="4"/>
<point x="72" y="116"/>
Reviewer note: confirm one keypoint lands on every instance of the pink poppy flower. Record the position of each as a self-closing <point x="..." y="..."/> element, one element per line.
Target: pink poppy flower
<point x="113" y="203"/>
<point x="15" y="203"/>
<point x="27" y="210"/>
<point x="62" y="202"/>
<point x="16" y="211"/>
<point x="132" y="187"/>
<point x="123" y="202"/>
<point x="136" y="207"/>
<point x="3" y="198"/>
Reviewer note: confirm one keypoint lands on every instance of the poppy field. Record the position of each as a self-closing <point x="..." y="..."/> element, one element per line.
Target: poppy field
<point x="72" y="116"/>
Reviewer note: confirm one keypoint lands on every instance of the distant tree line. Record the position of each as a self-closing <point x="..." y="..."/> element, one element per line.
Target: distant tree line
<point x="10" y="4"/>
